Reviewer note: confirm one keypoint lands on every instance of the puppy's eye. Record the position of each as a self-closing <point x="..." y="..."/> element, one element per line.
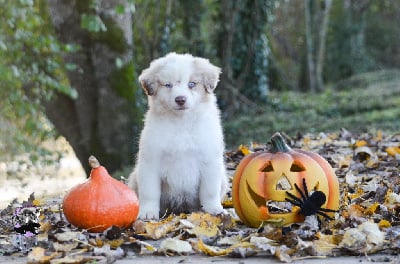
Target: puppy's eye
<point x="168" y="85"/>
<point x="191" y="85"/>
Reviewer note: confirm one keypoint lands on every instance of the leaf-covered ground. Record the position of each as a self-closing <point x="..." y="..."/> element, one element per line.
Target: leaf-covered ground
<point x="368" y="222"/>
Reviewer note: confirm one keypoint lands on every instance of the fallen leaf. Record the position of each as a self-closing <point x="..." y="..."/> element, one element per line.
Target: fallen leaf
<point x="156" y="230"/>
<point x="71" y="260"/>
<point x="65" y="247"/>
<point x="204" y="224"/>
<point x="384" y="224"/>
<point x="265" y="244"/>
<point x="115" y="243"/>
<point x="360" y="143"/>
<point x="244" y="149"/>
<point x="211" y="250"/>
<point x="392" y="151"/>
<point x="38" y="255"/>
<point x="111" y="254"/>
<point x="68" y="236"/>
<point x="282" y="254"/>
<point x="176" y="245"/>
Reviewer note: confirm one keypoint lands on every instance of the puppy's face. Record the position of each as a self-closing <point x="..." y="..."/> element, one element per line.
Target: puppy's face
<point x="178" y="82"/>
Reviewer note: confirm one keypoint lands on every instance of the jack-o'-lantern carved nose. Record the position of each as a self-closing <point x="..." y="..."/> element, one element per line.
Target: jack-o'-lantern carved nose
<point x="283" y="184"/>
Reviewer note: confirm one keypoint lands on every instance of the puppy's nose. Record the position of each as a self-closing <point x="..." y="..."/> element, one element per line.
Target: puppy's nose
<point x="180" y="100"/>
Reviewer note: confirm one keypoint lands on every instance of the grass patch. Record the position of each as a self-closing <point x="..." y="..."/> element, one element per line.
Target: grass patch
<point x="364" y="103"/>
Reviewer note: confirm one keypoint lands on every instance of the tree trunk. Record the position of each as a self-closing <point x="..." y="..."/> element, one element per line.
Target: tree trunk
<point x="321" y="45"/>
<point x="316" y="26"/>
<point x="243" y="51"/>
<point x="309" y="46"/>
<point x="103" y="120"/>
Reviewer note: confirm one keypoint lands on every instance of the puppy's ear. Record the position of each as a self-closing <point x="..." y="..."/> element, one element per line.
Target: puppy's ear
<point x="209" y="73"/>
<point x="147" y="81"/>
<point x="147" y="87"/>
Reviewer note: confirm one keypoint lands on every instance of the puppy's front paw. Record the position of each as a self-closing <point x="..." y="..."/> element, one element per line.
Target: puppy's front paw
<point x="148" y="213"/>
<point x="214" y="209"/>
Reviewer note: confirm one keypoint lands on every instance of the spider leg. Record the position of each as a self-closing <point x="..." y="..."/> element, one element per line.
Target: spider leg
<point x="324" y="215"/>
<point x="305" y="188"/>
<point x="294" y="202"/>
<point x="328" y="210"/>
<point x="295" y="198"/>
<point x="304" y="196"/>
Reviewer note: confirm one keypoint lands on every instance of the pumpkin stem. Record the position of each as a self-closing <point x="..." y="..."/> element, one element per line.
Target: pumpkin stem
<point x="93" y="162"/>
<point x="279" y="144"/>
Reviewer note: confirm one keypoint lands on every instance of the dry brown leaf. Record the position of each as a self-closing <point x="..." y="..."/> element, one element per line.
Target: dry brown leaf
<point x="156" y="230"/>
<point x="68" y="260"/>
<point x="176" y="245"/>
<point x="38" y="255"/>
<point x="68" y="236"/>
<point x="324" y="246"/>
<point x="282" y="253"/>
<point x="204" y="224"/>
<point x="65" y="247"/>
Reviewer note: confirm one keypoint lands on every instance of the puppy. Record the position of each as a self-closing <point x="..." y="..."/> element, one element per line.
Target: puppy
<point x="180" y="165"/>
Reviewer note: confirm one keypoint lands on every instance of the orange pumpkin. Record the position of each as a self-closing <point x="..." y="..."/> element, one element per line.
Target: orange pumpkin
<point x="100" y="202"/>
<point x="262" y="179"/>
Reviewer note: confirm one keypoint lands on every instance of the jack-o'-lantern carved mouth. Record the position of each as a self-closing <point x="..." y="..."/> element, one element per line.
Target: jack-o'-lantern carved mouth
<point x="274" y="207"/>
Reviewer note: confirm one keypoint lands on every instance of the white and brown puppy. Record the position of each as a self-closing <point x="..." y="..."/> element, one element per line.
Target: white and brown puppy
<point x="180" y="165"/>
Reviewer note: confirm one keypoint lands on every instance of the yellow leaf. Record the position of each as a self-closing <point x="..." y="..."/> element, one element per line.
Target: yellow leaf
<point x="384" y="224"/>
<point x="217" y="251"/>
<point x="379" y="135"/>
<point x="37" y="202"/>
<point x="357" y="194"/>
<point x="371" y="210"/>
<point x="277" y="222"/>
<point x="147" y="245"/>
<point x="204" y="224"/>
<point x="244" y="149"/>
<point x="392" y="151"/>
<point x="306" y="141"/>
<point x="157" y="230"/>
<point x="227" y="202"/>
<point x="212" y="251"/>
<point x="360" y="143"/>
<point x="115" y="243"/>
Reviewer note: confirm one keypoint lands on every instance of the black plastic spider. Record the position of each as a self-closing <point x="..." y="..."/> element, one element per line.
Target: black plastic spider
<point x="309" y="204"/>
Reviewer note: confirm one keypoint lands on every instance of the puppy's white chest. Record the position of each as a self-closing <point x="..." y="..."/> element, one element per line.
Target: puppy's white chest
<point x="180" y="172"/>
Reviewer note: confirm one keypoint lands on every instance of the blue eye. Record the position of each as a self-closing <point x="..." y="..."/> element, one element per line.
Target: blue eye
<point x="168" y="85"/>
<point x="191" y="85"/>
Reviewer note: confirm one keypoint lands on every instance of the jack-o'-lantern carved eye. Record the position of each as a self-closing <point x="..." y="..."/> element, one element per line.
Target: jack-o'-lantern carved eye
<point x="297" y="167"/>
<point x="267" y="167"/>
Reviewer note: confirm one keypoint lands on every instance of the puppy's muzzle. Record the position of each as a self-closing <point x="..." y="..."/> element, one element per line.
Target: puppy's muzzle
<point x="180" y="100"/>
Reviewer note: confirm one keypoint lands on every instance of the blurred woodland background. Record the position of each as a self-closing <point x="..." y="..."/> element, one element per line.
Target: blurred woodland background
<point x="70" y="67"/>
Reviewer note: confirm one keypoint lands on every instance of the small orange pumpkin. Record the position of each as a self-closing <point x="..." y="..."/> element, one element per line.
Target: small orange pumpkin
<point x="100" y="202"/>
<point x="264" y="178"/>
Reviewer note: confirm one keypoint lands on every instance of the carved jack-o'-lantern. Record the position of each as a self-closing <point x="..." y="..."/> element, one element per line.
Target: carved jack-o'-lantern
<point x="263" y="180"/>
